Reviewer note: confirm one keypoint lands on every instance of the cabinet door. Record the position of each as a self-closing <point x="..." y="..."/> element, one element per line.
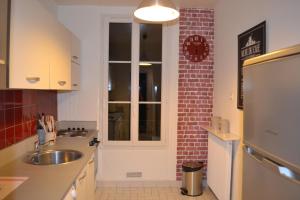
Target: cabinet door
<point x="60" y="63"/>
<point x="75" y="49"/>
<point x="91" y="179"/>
<point x="71" y="195"/>
<point x="29" y="45"/>
<point x="75" y="71"/>
<point x="81" y="185"/>
<point x="4" y="13"/>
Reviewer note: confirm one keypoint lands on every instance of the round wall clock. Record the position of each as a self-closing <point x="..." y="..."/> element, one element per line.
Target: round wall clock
<point x="195" y="48"/>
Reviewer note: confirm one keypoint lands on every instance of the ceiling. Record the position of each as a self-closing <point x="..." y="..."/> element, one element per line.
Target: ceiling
<point x="180" y="3"/>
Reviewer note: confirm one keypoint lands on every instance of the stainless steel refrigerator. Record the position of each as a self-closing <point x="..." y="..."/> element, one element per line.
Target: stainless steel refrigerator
<point x="271" y="151"/>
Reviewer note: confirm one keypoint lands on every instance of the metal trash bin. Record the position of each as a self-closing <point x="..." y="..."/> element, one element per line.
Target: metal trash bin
<point x="192" y="179"/>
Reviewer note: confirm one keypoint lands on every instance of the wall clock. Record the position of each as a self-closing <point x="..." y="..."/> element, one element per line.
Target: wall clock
<point x="195" y="48"/>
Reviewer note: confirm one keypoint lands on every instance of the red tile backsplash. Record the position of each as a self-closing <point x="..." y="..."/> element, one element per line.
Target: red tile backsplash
<point x="18" y="111"/>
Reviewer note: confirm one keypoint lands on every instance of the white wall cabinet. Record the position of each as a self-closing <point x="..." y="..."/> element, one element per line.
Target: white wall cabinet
<point x="40" y="48"/>
<point x="75" y="67"/>
<point x="60" y="62"/>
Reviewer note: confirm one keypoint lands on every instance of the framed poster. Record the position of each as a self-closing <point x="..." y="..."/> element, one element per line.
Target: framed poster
<point x="251" y="43"/>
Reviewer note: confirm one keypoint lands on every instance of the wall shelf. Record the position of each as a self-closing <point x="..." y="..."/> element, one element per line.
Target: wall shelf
<point x="220" y="135"/>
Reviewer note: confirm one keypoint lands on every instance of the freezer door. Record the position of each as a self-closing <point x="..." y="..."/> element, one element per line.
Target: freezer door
<point x="265" y="180"/>
<point x="272" y="108"/>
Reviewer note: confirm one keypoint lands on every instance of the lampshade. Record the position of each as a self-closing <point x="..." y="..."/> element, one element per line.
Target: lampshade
<point x="156" y="11"/>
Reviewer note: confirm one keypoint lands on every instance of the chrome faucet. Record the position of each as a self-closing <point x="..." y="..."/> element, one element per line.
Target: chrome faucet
<point x="37" y="145"/>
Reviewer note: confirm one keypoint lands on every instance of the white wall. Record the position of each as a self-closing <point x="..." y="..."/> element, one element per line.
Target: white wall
<point x="233" y="17"/>
<point x="156" y="163"/>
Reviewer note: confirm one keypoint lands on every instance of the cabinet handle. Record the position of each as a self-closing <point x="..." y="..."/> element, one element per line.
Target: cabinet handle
<point x="75" y="85"/>
<point x="91" y="161"/>
<point x="2" y="62"/>
<point x="81" y="178"/>
<point x="33" y="79"/>
<point x="75" y="57"/>
<point x="62" y="83"/>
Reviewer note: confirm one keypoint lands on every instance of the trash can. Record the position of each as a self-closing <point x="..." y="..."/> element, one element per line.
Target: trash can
<point x="192" y="179"/>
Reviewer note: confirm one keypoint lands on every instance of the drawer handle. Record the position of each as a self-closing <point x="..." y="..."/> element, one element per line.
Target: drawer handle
<point x="91" y="161"/>
<point x="81" y="178"/>
<point x="2" y="62"/>
<point x="33" y="79"/>
<point x="75" y="57"/>
<point x="75" y="85"/>
<point x="62" y="83"/>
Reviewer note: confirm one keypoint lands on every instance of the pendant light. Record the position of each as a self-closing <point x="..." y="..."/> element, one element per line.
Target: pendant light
<point x="156" y="11"/>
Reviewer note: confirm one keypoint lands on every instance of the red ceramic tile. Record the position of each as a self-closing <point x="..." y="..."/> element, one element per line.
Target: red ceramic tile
<point x="18" y="112"/>
<point x="2" y="139"/>
<point x="33" y="128"/>
<point x="9" y="99"/>
<point x="33" y="112"/>
<point x="18" y="98"/>
<point x="2" y="120"/>
<point x="2" y="93"/>
<point x="10" y="136"/>
<point x="26" y="127"/>
<point x="9" y="118"/>
<point x="19" y="136"/>
<point x="26" y="114"/>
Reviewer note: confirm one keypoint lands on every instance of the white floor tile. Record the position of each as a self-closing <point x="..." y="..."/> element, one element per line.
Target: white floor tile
<point x="121" y="192"/>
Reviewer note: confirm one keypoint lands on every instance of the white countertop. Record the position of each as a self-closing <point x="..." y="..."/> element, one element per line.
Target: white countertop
<point x="220" y="135"/>
<point x="50" y="182"/>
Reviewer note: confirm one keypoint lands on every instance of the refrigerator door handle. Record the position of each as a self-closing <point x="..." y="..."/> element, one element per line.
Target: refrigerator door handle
<point x="275" y="167"/>
<point x="253" y="154"/>
<point x="282" y="170"/>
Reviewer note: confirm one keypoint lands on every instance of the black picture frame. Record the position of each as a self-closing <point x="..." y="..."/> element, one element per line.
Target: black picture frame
<point x="251" y="43"/>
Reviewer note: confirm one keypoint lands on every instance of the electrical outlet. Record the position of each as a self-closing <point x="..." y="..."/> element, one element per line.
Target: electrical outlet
<point x="134" y="174"/>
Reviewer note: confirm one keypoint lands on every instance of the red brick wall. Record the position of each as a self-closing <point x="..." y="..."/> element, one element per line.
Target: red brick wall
<point x="195" y="92"/>
<point x="18" y="111"/>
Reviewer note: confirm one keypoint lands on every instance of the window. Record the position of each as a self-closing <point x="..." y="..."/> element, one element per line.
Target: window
<point x="134" y="83"/>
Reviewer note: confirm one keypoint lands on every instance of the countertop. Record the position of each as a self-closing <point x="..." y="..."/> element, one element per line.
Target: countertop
<point x="50" y="182"/>
<point x="222" y="136"/>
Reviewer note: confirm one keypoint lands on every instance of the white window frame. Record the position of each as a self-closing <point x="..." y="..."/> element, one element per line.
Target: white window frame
<point x="134" y="142"/>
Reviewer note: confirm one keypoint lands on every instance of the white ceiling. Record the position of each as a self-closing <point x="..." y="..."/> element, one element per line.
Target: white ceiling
<point x="181" y="3"/>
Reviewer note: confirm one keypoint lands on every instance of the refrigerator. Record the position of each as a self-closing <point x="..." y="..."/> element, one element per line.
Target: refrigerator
<point x="271" y="143"/>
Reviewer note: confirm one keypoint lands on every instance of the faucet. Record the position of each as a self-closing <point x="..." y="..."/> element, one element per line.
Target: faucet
<point x="37" y="145"/>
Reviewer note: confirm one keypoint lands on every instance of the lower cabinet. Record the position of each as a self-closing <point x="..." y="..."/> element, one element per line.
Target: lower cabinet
<point x="84" y="187"/>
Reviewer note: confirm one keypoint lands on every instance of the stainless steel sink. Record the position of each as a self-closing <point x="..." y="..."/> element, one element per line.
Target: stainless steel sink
<point x="53" y="157"/>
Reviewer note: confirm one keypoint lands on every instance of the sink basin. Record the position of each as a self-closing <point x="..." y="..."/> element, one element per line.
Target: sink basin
<point x="53" y="157"/>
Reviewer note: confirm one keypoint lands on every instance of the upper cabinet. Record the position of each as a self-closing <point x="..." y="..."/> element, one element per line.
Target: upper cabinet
<point x="40" y="48"/>
<point x="30" y="44"/>
<point x="60" y="62"/>
<point x="75" y="67"/>
<point x="75" y="51"/>
<point x="4" y="37"/>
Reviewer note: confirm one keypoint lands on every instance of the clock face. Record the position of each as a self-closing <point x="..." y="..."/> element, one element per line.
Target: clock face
<point x="195" y="48"/>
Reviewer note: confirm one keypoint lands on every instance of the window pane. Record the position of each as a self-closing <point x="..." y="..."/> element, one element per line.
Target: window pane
<point x="119" y="122"/>
<point x="120" y="41"/>
<point x="150" y="83"/>
<point x="150" y="42"/>
<point x="149" y="122"/>
<point x="119" y="82"/>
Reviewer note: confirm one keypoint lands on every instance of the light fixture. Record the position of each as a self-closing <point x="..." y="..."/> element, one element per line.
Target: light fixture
<point x="156" y="11"/>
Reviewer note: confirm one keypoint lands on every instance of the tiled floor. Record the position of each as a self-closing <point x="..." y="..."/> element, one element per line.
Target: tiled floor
<point x="148" y="193"/>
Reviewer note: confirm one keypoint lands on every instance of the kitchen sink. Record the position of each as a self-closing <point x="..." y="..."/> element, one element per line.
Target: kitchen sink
<point x="53" y="157"/>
